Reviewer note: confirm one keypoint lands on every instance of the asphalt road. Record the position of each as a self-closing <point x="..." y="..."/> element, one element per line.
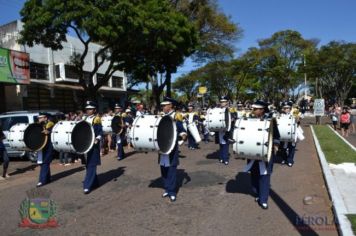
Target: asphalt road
<point x="213" y="199"/>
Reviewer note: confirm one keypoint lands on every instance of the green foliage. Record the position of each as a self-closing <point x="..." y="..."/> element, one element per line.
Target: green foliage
<point x="334" y="69"/>
<point x="143" y="37"/>
<point x="352" y="219"/>
<point x="217" y="33"/>
<point x="335" y="149"/>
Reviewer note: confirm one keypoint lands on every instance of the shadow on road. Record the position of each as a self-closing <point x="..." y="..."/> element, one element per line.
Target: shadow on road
<point x="241" y="184"/>
<point x="23" y="170"/>
<point x="214" y="155"/>
<point x="291" y="215"/>
<point x="181" y="176"/>
<point x="111" y="175"/>
<point x="66" y="173"/>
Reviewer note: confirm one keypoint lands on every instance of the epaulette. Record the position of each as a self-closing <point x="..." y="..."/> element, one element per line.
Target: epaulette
<point x="97" y="120"/>
<point x="178" y="117"/>
<point x="49" y="125"/>
<point x="202" y="117"/>
<point x="123" y="115"/>
<point x="232" y="110"/>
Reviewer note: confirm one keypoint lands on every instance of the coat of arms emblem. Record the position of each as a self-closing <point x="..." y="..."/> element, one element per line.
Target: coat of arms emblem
<point x="37" y="210"/>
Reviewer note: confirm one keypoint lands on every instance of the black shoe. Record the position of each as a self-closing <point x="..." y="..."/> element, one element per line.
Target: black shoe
<point x="290" y="164"/>
<point x="231" y="140"/>
<point x="86" y="191"/>
<point x="226" y="163"/>
<point x="165" y="194"/>
<point x="257" y="199"/>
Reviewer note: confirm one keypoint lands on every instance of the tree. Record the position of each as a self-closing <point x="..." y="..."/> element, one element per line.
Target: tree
<point x="284" y="53"/>
<point x="187" y="85"/>
<point x="217" y="33"/>
<point x="142" y="37"/>
<point x="334" y="67"/>
<point x="105" y="22"/>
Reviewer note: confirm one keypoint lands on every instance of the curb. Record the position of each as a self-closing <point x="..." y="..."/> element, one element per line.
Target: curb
<point x="339" y="208"/>
<point x="347" y="142"/>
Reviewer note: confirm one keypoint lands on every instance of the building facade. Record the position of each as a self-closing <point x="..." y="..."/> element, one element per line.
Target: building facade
<point x="53" y="81"/>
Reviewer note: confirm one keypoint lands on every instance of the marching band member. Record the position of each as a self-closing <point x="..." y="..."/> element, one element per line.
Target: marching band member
<point x="204" y="126"/>
<point x="47" y="152"/>
<point x="288" y="147"/>
<point x="120" y="136"/>
<point x="128" y="120"/>
<point x="93" y="156"/>
<point x="223" y="137"/>
<point x="240" y="111"/>
<point x="191" y="117"/>
<point x="169" y="162"/>
<point x="261" y="171"/>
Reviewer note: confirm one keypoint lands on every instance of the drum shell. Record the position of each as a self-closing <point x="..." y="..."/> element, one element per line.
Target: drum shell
<point x="218" y="119"/>
<point x="287" y="128"/>
<point x="192" y="127"/>
<point x="146" y="131"/>
<point x="254" y="139"/>
<point x="27" y="137"/>
<point x="106" y="123"/>
<point x="73" y="136"/>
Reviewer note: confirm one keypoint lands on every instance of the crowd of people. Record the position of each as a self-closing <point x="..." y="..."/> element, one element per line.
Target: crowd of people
<point x="344" y="118"/>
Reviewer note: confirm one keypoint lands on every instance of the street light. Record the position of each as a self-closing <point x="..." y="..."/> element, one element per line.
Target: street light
<point x="305" y="79"/>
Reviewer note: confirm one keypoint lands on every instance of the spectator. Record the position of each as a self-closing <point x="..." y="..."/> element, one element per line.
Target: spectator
<point x="353" y="117"/>
<point x="3" y="156"/>
<point x="333" y="117"/>
<point x="345" y="122"/>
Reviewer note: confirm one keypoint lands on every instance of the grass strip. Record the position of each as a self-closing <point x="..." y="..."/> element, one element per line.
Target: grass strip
<point x="352" y="218"/>
<point x="335" y="149"/>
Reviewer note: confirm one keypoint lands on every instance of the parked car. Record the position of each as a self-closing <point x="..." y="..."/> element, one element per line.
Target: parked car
<point x="8" y="119"/>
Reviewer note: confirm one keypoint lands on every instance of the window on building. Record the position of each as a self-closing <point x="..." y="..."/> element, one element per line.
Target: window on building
<point x="117" y="82"/>
<point x="71" y="72"/>
<point x="39" y="71"/>
<point x="101" y="77"/>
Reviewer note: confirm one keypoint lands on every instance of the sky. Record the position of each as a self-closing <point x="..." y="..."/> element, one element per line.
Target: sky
<point x="325" y="20"/>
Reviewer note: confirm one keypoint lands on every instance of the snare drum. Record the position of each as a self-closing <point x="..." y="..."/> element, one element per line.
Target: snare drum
<point x="254" y="139"/>
<point x="106" y="123"/>
<point x="287" y="128"/>
<point x="192" y="127"/>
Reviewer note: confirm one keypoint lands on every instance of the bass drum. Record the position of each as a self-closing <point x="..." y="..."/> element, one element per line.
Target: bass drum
<point x="218" y="119"/>
<point x="106" y="123"/>
<point x="254" y="139"/>
<point x="73" y="136"/>
<point x="27" y="137"/>
<point x="117" y="124"/>
<point x="192" y="127"/>
<point x="153" y="133"/>
<point x="287" y="128"/>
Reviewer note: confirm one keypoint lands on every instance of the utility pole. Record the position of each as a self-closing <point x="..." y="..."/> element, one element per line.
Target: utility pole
<point x="305" y="79"/>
